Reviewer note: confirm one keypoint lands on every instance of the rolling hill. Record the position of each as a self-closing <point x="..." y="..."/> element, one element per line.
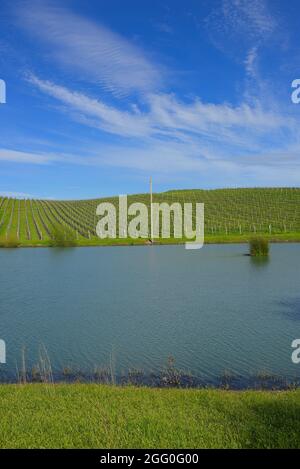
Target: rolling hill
<point x="230" y="215"/>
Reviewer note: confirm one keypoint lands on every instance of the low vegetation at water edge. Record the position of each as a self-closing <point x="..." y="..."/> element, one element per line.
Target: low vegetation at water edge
<point x="10" y="241"/>
<point x="259" y="247"/>
<point x="63" y="237"/>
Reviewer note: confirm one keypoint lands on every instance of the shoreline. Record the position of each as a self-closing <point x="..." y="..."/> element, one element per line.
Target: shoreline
<point x="168" y="376"/>
<point x="222" y="239"/>
<point x="272" y="385"/>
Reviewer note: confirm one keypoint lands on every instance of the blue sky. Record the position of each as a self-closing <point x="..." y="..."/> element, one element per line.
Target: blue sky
<point x="103" y="94"/>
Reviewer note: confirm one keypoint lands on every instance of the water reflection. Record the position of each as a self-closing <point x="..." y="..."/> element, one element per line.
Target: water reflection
<point x="259" y="261"/>
<point x="291" y="309"/>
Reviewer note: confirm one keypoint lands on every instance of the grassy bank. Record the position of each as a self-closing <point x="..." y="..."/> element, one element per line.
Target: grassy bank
<point x="209" y="239"/>
<point x="94" y="416"/>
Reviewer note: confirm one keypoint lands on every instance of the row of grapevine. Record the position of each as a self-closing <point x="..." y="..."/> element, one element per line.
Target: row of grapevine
<point x="36" y="225"/>
<point x="65" y="215"/>
<point x="227" y="211"/>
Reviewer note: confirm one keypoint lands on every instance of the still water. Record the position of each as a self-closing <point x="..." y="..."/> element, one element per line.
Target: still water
<point x="212" y="310"/>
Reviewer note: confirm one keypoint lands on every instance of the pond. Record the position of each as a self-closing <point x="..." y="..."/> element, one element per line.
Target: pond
<point x="212" y="310"/>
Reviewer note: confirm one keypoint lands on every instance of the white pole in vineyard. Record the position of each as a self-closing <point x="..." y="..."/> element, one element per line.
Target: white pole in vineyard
<point x="151" y="210"/>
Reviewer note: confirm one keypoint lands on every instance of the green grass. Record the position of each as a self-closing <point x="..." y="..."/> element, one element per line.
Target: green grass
<point x="97" y="416"/>
<point x="11" y="241"/>
<point x="63" y="237"/>
<point x="231" y="215"/>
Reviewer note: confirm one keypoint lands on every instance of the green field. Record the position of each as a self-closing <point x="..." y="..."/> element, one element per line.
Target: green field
<point x="231" y="215"/>
<point x="97" y="416"/>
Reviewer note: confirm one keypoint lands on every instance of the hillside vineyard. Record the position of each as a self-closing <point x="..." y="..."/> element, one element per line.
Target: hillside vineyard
<point x="228" y="212"/>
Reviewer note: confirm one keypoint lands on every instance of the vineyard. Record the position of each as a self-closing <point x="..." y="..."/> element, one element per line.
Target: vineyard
<point x="230" y="214"/>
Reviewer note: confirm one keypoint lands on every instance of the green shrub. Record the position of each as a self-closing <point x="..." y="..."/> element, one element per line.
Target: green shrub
<point x="259" y="247"/>
<point x="63" y="237"/>
<point x="10" y="241"/>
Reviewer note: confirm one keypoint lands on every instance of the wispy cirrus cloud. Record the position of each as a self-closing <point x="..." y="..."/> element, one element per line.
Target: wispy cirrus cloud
<point x="97" y="53"/>
<point x="165" y="132"/>
<point x="16" y="156"/>
<point x="277" y="167"/>
<point x="244" y="30"/>
<point x="251" y="18"/>
<point x="16" y="195"/>
<point x="165" y="114"/>
<point x="38" y="158"/>
<point x="177" y="136"/>
<point x="251" y="22"/>
<point x="108" y="118"/>
<point x="240" y="28"/>
<point x="250" y="62"/>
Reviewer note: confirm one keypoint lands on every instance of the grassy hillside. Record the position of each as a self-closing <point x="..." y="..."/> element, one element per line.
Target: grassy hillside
<point x="230" y="215"/>
<point x="93" y="416"/>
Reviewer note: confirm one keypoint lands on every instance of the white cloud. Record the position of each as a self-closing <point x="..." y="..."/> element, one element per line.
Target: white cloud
<point x="250" y="61"/>
<point x="168" y="135"/>
<point x="98" y="54"/>
<point x="239" y="23"/>
<point x="16" y="195"/>
<point x="168" y="117"/>
<point x="38" y="158"/>
<point x="15" y="156"/>
<point x="176" y="137"/>
<point x="202" y="117"/>
<point x="109" y="118"/>
<point x="249" y="17"/>
<point x="240" y="28"/>
<point x="277" y="167"/>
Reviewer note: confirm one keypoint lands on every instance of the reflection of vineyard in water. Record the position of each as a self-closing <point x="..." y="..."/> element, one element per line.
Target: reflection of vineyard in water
<point x="227" y="212"/>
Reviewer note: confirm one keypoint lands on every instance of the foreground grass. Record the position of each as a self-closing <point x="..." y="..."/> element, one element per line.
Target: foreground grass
<point x="97" y="416"/>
